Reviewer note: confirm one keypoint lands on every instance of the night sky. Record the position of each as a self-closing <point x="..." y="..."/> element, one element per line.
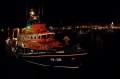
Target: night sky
<point x="13" y="12"/>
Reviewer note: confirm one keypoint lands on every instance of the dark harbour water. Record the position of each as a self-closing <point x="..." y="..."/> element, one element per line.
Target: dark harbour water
<point x="102" y="62"/>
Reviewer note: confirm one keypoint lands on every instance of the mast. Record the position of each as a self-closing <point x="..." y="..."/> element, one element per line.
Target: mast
<point x="26" y="7"/>
<point x="39" y="13"/>
<point x="42" y="10"/>
<point x="33" y="17"/>
<point x="26" y="12"/>
<point x="42" y="7"/>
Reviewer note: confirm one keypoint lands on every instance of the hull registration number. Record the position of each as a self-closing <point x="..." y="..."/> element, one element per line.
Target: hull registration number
<point x="55" y="59"/>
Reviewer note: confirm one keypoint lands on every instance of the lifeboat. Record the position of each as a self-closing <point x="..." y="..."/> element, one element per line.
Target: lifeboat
<point x="37" y="45"/>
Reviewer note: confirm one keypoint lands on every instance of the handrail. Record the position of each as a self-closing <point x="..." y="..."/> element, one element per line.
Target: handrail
<point x="18" y="31"/>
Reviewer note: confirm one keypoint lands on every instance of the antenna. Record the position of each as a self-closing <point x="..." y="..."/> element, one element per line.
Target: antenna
<point x="112" y="13"/>
<point x="26" y="11"/>
<point x="42" y="7"/>
<point x="39" y="12"/>
<point x="26" y="7"/>
<point x="42" y="11"/>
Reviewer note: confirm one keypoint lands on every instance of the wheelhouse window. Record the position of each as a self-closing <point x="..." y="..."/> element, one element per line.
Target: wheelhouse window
<point x="28" y="37"/>
<point x="31" y="37"/>
<point x="49" y="35"/>
<point x="43" y="36"/>
<point x="39" y="36"/>
<point x="34" y="36"/>
<point x="52" y="35"/>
